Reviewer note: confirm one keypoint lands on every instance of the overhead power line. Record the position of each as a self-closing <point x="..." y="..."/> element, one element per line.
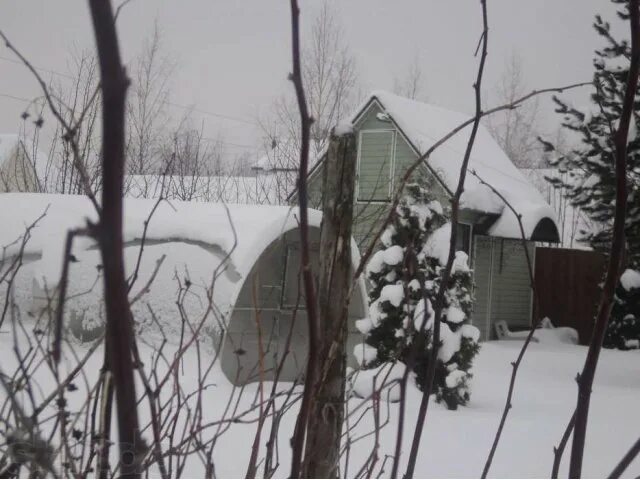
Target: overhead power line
<point x="53" y="72"/>
<point x="207" y="139"/>
<point x="166" y="102"/>
<point x="13" y="97"/>
<point x="217" y="115"/>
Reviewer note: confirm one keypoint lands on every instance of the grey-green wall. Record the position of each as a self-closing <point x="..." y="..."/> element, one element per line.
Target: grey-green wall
<point x="482" y="282"/>
<point x="277" y="315"/>
<point x="501" y="277"/>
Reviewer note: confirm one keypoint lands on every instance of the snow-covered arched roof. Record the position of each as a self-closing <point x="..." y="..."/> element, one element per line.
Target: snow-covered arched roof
<point x="235" y="234"/>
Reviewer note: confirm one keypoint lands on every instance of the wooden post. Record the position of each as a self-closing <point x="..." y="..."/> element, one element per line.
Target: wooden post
<point x="327" y="412"/>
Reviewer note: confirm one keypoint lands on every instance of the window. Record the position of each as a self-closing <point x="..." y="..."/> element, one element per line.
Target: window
<point x="463" y="238"/>
<point x="375" y="165"/>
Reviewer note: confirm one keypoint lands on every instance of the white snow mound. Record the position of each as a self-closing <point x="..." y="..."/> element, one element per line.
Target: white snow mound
<point x="630" y="279"/>
<point x="384" y="379"/>
<point x="365" y="354"/>
<point x="393" y="294"/>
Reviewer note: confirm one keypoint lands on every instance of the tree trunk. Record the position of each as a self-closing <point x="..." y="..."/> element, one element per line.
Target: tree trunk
<point x="119" y="336"/>
<point x="620" y="139"/>
<point x="327" y="413"/>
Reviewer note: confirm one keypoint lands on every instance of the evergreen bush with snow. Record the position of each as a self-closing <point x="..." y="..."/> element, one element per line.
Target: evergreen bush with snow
<point x="590" y="183"/>
<point x="412" y="254"/>
<point x="623" y="331"/>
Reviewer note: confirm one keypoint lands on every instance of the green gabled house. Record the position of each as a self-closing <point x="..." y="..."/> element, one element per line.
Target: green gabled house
<point x="392" y="133"/>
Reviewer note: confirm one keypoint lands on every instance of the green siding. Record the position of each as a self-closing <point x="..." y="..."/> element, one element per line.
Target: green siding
<point x="482" y="284"/>
<point x="511" y="292"/>
<point x="375" y="165"/>
<point x="370" y="120"/>
<point x="404" y="155"/>
<point x="314" y="188"/>
<point x="502" y="286"/>
<point x="370" y="215"/>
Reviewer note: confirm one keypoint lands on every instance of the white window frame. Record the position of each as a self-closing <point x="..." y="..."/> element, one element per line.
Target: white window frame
<point x="285" y="279"/>
<point x="392" y="165"/>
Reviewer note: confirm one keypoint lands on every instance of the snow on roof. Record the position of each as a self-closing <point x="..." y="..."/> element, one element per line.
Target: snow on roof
<point x="259" y="189"/>
<point x="573" y="223"/>
<point x="208" y="225"/>
<point x="263" y="163"/>
<point x="285" y="155"/>
<point x="424" y="124"/>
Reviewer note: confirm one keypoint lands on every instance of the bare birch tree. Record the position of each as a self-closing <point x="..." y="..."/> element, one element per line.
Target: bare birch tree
<point x="53" y="166"/>
<point x="515" y="129"/>
<point x="146" y="112"/>
<point x="411" y="84"/>
<point x="330" y="77"/>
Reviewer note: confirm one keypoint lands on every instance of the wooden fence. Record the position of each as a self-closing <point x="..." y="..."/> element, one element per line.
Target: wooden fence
<point x="567" y="282"/>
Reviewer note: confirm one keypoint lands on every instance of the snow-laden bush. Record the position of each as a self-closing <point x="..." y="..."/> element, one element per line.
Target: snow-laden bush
<point x="623" y="331"/>
<point x="406" y="268"/>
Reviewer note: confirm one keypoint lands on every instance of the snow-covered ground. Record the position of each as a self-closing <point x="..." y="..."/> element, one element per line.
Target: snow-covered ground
<point x="455" y="443"/>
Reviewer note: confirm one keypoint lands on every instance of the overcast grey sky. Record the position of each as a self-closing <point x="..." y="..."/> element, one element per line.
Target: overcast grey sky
<point x="232" y="57"/>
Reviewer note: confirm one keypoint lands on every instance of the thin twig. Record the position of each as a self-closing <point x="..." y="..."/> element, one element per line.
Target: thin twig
<point x="147" y="287"/>
<point x="62" y="291"/>
<point x="298" y="439"/>
<point x="626" y="460"/>
<point x="559" y="450"/>
<point x="440" y="297"/>
<point x="515" y="365"/>
<point x="70" y="129"/>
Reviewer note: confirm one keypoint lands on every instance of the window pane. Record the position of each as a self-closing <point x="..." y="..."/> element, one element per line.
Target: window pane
<point x="375" y="166"/>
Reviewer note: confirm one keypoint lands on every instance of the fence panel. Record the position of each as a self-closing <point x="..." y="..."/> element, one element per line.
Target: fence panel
<point x="568" y="282"/>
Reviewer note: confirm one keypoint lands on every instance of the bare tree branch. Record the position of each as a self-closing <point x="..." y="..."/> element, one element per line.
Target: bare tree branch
<point x="70" y="129"/>
<point x="515" y="365"/>
<point x="299" y="434"/>
<point x="559" y="450"/>
<point x="120" y="335"/>
<point x="626" y="460"/>
<point x="62" y="291"/>
<point x="439" y="300"/>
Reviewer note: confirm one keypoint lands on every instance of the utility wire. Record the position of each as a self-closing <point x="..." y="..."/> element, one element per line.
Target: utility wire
<point x="207" y="139"/>
<point x="166" y="102"/>
<point x="13" y="97"/>
<point x="53" y="72"/>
